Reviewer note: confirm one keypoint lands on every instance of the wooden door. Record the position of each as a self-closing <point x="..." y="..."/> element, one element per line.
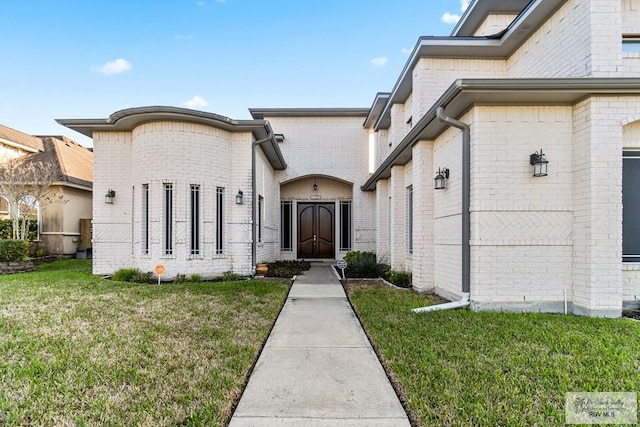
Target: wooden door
<point x="316" y="230"/>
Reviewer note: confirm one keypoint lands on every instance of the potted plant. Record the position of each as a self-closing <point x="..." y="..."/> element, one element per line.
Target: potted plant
<point x="262" y="268"/>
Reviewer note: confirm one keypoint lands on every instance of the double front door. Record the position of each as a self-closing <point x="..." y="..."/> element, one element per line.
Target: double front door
<point x="316" y="230"/>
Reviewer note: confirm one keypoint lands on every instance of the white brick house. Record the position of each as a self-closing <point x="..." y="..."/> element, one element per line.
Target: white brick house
<point x="558" y="75"/>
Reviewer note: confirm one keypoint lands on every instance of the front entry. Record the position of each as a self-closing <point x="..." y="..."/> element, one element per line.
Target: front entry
<point x="316" y="230"/>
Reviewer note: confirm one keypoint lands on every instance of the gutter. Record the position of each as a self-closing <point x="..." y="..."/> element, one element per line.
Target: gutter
<point x="466" y="215"/>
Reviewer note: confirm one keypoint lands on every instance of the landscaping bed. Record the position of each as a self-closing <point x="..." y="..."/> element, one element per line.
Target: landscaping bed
<point x="80" y="350"/>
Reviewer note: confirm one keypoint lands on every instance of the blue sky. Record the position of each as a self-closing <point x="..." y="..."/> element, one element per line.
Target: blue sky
<point x="90" y="58"/>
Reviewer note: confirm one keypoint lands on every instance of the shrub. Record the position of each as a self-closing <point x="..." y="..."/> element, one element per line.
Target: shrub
<point x="287" y="269"/>
<point x="125" y="274"/>
<point x="195" y="278"/>
<point x="132" y="275"/>
<point x="13" y="250"/>
<point x="366" y="266"/>
<point x="180" y="278"/>
<point x="230" y="276"/>
<point x="351" y="256"/>
<point x="6" y="229"/>
<point x="400" y="278"/>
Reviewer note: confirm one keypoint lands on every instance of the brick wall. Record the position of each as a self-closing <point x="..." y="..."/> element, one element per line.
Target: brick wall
<point x="181" y="154"/>
<point x="583" y="38"/>
<point x="334" y="148"/>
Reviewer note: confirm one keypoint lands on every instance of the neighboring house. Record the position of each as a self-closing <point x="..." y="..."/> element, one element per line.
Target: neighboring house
<point x="515" y="80"/>
<point x="68" y="200"/>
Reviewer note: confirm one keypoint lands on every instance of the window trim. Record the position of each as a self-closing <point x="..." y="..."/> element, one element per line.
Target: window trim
<point x="220" y="221"/>
<point x="194" y="218"/>
<point x="145" y="210"/>
<point x="168" y="227"/>
<point x="409" y="219"/>
<point x="286" y="226"/>
<point x="346" y="241"/>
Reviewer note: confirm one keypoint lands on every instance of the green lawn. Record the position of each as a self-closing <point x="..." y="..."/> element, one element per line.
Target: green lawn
<point x="460" y="368"/>
<point x="80" y="350"/>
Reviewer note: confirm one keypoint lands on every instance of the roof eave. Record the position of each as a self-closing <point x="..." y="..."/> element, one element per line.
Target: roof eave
<point x="261" y="113"/>
<point x="463" y="94"/>
<point x="528" y="21"/>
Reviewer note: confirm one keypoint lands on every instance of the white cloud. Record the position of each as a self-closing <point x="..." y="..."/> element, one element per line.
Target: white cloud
<point x="450" y="18"/>
<point x="196" y="102"/>
<point x="379" y="62"/>
<point x="406" y="51"/>
<point x="183" y="37"/>
<point x="453" y="18"/>
<point x="114" y="67"/>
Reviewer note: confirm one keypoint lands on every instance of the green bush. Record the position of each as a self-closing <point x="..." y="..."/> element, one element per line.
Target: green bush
<point x="13" y="250"/>
<point x="365" y="265"/>
<point x="133" y="275"/>
<point x="287" y="269"/>
<point x="351" y="256"/>
<point x="196" y="278"/>
<point x="6" y="229"/>
<point x="230" y="276"/>
<point x="400" y="278"/>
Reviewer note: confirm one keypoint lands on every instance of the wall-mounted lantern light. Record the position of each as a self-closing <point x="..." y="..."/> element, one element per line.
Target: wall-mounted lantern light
<point x="315" y="186"/>
<point x="539" y="163"/>
<point x="108" y="198"/>
<point x="239" y="198"/>
<point x="441" y="178"/>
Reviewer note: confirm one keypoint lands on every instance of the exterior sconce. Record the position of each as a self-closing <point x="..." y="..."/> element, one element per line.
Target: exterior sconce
<point x="539" y="163"/>
<point x="108" y="198"/>
<point x="315" y="186"/>
<point x="441" y="177"/>
<point x="239" y="198"/>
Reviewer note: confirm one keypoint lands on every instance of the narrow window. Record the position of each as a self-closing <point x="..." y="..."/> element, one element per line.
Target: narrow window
<point x="345" y="226"/>
<point x="145" y="219"/>
<point x="168" y="219"/>
<point x="260" y="216"/>
<point x="389" y="212"/>
<point x="286" y="226"/>
<point x="410" y="219"/>
<point x="630" y="206"/>
<point x="219" y="220"/>
<point x="195" y="219"/>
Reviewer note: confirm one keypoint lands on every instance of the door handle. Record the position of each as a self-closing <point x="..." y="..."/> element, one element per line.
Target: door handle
<point x="315" y="239"/>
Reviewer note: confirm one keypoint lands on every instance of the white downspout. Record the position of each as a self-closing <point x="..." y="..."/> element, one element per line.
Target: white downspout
<point x="466" y="217"/>
<point x="464" y="302"/>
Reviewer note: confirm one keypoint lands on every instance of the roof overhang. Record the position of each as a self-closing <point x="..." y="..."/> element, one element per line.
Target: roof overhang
<point x="261" y="113"/>
<point x="462" y="95"/>
<point x="498" y="47"/>
<point x="376" y="108"/>
<point x="128" y="119"/>
<point x="478" y="11"/>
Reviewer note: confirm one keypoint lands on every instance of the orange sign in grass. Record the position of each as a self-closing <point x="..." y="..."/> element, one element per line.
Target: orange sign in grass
<point x="159" y="269"/>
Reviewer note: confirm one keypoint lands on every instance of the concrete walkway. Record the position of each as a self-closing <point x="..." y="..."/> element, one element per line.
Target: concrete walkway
<point x="317" y="367"/>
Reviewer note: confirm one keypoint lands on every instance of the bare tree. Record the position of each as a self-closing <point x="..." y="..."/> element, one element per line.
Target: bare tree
<point x="25" y="182"/>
